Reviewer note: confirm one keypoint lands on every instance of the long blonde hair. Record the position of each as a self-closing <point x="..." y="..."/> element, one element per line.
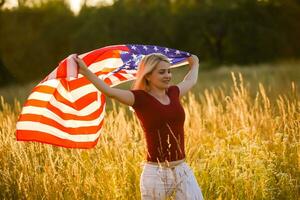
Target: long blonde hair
<point x="146" y="66"/>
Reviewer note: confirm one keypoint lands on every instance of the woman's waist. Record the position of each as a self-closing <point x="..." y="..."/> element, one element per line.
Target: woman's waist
<point x="167" y="164"/>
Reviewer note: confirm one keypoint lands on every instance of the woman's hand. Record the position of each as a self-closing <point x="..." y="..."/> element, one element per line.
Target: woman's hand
<point x="124" y="96"/>
<point x="193" y="61"/>
<point x="82" y="66"/>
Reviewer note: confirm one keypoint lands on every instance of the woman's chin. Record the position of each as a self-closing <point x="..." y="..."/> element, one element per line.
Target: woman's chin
<point x="166" y="85"/>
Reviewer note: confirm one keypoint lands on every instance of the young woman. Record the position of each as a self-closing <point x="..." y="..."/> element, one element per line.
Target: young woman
<point x="158" y="108"/>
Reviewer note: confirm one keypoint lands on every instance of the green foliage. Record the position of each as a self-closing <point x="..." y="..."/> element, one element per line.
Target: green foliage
<point x="34" y="39"/>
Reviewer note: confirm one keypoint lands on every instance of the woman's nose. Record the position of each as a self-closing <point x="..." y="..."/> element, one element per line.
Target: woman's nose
<point x="169" y="75"/>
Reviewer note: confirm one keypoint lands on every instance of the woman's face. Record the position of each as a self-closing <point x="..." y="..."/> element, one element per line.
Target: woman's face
<point x="160" y="76"/>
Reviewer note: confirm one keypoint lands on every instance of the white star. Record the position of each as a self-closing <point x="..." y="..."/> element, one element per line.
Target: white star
<point x="177" y="52"/>
<point x="133" y="47"/>
<point x="134" y="56"/>
<point x="144" y="47"/>
<point x="166" y="50"/>
<point x="155" y="48"/>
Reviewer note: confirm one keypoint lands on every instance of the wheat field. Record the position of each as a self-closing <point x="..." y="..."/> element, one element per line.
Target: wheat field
<point x="240" y="143"/>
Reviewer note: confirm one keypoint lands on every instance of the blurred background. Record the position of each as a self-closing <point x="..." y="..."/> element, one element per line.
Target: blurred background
<point x="36" y="34"/>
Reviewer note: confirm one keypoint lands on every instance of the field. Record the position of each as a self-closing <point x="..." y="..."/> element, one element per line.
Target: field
<point x="242" y="141"/>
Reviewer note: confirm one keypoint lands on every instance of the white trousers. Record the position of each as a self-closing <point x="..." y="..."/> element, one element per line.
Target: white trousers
<point x="161" y="183"/>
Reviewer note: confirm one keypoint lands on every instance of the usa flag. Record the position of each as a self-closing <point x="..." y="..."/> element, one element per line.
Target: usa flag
<point x="65" y="109"/>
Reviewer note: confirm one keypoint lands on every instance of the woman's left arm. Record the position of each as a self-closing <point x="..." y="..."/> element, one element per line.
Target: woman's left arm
<point x="191" y="77"/>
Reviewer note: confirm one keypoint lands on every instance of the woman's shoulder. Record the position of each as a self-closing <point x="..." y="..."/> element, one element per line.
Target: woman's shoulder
<point x="139" y="98"/>
<point x="138" y="94"/>
<point x="137" y="91"/>
<point x="173" y="88"/>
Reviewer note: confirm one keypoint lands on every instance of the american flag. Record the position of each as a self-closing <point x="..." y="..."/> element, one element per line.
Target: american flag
<point x="65" y="109"/>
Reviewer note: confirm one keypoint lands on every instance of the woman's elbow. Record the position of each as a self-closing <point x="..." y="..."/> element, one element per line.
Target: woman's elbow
<point x="193" y="82"/>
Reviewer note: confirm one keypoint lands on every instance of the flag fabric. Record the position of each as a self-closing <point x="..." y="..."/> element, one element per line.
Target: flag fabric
<point x="66" y="110"/>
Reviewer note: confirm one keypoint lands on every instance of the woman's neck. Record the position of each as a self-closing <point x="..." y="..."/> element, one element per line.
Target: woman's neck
<point x="157" y="92"/>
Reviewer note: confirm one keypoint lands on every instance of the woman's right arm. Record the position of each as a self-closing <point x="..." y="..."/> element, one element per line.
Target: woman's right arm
<point x="124" y="96"/>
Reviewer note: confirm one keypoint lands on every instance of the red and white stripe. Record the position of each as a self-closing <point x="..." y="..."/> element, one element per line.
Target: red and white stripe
<point x="65" y="109"/>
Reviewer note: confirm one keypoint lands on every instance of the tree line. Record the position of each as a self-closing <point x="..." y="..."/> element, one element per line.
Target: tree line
<point x="35" y="37"/>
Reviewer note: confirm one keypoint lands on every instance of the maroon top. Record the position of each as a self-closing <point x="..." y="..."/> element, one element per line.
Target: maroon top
<point x="162" y="125"/>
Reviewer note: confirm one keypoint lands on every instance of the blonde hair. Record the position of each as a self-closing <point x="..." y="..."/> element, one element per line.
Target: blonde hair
<point x="146" y="66"/>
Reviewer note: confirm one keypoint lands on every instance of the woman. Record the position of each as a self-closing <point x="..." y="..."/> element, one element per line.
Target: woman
<point x="157" y="105"/>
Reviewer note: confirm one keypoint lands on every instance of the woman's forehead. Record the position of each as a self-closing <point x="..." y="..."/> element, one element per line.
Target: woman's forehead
<point x="163" y="65"/>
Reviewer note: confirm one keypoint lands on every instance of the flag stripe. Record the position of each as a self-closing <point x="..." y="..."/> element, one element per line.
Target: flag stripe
<point x="93" y="56"/>
<point x="39" y="136"/>
<point x="36" y="126"/>
<point x="71" y="96"/>
<point x="88" y="111"/>
<point x="52" y="75"/>
<point x="44" y="89"/>
<point x="65" y="116"/>
<point x="53" y="123"/>
<point x="72" y="69"/>
<point x="65" y="122"/>
<point x="62" y="69"/>
<point x="45" y="98"/>
<point x="78" y="104"/>
<point x="36" y="105"/>
<point x="82" y="81"/>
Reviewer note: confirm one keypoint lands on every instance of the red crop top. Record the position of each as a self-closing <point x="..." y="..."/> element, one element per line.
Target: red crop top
<point x="162" y="125"/>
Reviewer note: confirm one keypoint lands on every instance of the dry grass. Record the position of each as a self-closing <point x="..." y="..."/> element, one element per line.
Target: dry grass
<point x="240" y="146"/>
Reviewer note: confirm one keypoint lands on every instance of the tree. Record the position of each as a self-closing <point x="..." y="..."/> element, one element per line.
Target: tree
<point x="5" y="76"/>
<point x="2" y="2"/>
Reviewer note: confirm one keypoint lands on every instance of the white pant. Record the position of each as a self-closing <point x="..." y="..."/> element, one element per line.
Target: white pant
<point x="160" y="183"/>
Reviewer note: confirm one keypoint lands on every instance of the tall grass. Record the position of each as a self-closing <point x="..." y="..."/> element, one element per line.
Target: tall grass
<point x="240" y="146"/>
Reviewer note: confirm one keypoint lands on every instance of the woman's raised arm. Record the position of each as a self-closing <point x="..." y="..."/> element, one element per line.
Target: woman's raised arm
<point x="124" y="96"/>
<point x="192" y="76"/>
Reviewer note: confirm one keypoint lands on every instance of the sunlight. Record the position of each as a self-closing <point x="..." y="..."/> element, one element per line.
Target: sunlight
<point x="76" y="5"/>
<point x="10" y="4"/>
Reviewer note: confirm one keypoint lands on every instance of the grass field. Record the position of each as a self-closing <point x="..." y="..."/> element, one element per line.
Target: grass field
<point x="242" y="141"/>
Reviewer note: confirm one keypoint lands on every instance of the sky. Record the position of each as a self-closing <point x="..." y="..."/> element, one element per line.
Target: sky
<point x="75" y="5"/>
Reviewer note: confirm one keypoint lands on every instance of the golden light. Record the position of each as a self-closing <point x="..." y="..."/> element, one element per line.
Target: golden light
<point x="75" y="5"/>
